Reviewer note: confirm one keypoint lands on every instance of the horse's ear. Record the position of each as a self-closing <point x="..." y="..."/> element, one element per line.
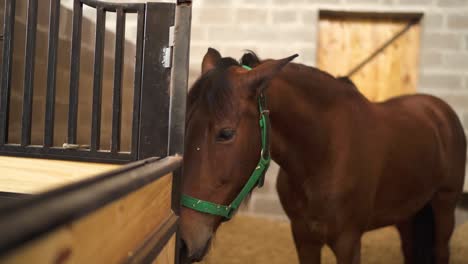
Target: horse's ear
<point x="210" y="59"/>
<point x="259" y="77"/>
<point x="250" y="59"/>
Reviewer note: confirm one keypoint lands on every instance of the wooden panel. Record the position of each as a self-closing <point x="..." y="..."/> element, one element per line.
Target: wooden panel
<point x="31" y="176"/>
<point x="346" y="42"/>
<point x="108" y="235"/>
<point x="167" y="255"/>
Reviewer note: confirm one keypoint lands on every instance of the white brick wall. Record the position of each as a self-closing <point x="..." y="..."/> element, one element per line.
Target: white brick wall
<point x="278" y="28"/>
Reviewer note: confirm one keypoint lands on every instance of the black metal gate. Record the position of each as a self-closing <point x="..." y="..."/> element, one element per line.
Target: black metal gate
<point x="151" y="96"/>
<point x="157" y="125"/>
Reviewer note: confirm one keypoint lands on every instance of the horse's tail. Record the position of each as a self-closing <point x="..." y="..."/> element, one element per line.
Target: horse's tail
<point x="423" y="236"/>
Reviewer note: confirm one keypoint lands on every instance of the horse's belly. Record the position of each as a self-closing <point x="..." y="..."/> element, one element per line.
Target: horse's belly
<point x="398" y="211"/>
<point x="403" y="193"/>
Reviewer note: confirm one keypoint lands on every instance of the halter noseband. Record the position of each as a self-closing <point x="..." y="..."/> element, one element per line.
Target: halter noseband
<point x="256" y="179"/>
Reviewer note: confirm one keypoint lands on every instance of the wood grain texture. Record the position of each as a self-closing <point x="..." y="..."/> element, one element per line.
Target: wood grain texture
<point x="108" y="235"/>
<point x="167" y="255"/>
<point x="31" y="176"/>
<point x="346" y="42"/>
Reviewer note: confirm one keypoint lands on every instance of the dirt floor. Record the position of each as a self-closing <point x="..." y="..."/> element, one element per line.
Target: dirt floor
<point x="256" y="240"/>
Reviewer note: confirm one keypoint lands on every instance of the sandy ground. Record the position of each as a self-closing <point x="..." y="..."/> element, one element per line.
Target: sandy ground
<point x="259" y="240"/>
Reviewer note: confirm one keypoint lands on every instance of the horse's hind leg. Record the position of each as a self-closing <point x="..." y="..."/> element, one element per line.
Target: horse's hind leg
<point x="417" y="237"/>
<point x="405" y="229"/>
<point x="443" y="206"/>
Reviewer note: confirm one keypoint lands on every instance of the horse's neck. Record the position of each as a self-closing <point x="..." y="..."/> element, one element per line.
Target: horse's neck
<point x="299" y="98"/>
<point x="314" y="86"/>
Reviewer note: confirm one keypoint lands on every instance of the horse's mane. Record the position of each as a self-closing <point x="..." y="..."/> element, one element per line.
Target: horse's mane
<point x="213" y="90"/>
<point x="251" y="59"/>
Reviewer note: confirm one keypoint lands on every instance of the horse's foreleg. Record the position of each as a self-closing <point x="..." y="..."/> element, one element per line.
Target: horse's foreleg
<point x="308" y="246"/>
<point x="347" y="248"/>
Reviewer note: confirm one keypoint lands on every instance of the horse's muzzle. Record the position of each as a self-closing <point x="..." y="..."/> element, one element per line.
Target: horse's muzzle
<point x="188" y="256"/>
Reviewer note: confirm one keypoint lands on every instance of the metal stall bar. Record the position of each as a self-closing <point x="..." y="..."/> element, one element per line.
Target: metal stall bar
<point x="114" y="6"/>
<point x="98" y="73"/>
<point x="118" y="70"/>
<point x="29" y="73"/>
<point x="137" y="81"/>
<point x="152" y="94"/>
<point x="54" y="19"/>
<point x="179" y="82"/>
<point x="8" y="31"/>
<point x="180" y="38"/>
<point x="64" y="154"/>
<point x="74" y="71"/>
<point x="155" y="97"/>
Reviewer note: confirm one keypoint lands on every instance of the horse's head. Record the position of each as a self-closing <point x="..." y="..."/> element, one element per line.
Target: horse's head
<point x="223" y="140"/>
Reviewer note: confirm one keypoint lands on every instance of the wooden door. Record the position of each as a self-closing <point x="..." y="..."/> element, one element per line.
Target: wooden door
<point x="348" y="38"/>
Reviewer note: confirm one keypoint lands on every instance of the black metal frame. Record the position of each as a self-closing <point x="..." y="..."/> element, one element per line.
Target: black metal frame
<point x="151" y="83"/>
<point x="155" y="96"/>
<point x="179" y="82"/>
<point x="159" y="92"/>
<point x="339" y="14"/>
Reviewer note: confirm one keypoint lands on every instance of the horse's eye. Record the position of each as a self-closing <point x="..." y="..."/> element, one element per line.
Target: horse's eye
<point x="225" y="134"/>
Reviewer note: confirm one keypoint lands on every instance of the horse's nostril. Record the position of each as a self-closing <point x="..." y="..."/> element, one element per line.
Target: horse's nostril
<point x="183" y="245"/>
<point x="188" y="256"/>
<point x="184" y="257"/>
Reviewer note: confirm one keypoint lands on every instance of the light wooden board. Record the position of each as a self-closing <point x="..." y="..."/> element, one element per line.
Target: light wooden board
<point x="167" y="255"/>
<point x="346" y="42"/>
<point x="31" y="176"/>
<point x="108" y="235"/>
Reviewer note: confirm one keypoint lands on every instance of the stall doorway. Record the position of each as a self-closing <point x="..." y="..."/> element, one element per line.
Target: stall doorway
<point x="346" y="39"/>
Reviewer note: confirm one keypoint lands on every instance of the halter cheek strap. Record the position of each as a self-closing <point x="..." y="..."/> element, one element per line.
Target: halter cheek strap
<point x="256" y="179"/>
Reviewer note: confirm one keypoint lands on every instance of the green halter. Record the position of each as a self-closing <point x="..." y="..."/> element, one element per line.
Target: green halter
<point x="256" y="179"/>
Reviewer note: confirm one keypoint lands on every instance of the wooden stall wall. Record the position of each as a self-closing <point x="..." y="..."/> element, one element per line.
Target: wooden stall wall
<point x="167" y="254"/>
<point x="345" y="41"/>
<point x="108" y="235"/>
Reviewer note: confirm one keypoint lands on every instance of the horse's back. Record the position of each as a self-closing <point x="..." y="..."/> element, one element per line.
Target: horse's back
<point x="433" y="116"/>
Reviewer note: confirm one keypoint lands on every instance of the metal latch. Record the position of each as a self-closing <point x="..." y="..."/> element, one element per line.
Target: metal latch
<point x="74" y="146"/>
<point x="167" y="51"/>
<point x="167" y="57"/>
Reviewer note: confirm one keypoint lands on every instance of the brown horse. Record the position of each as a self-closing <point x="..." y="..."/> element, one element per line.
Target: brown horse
<point x="348" y="165"/>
